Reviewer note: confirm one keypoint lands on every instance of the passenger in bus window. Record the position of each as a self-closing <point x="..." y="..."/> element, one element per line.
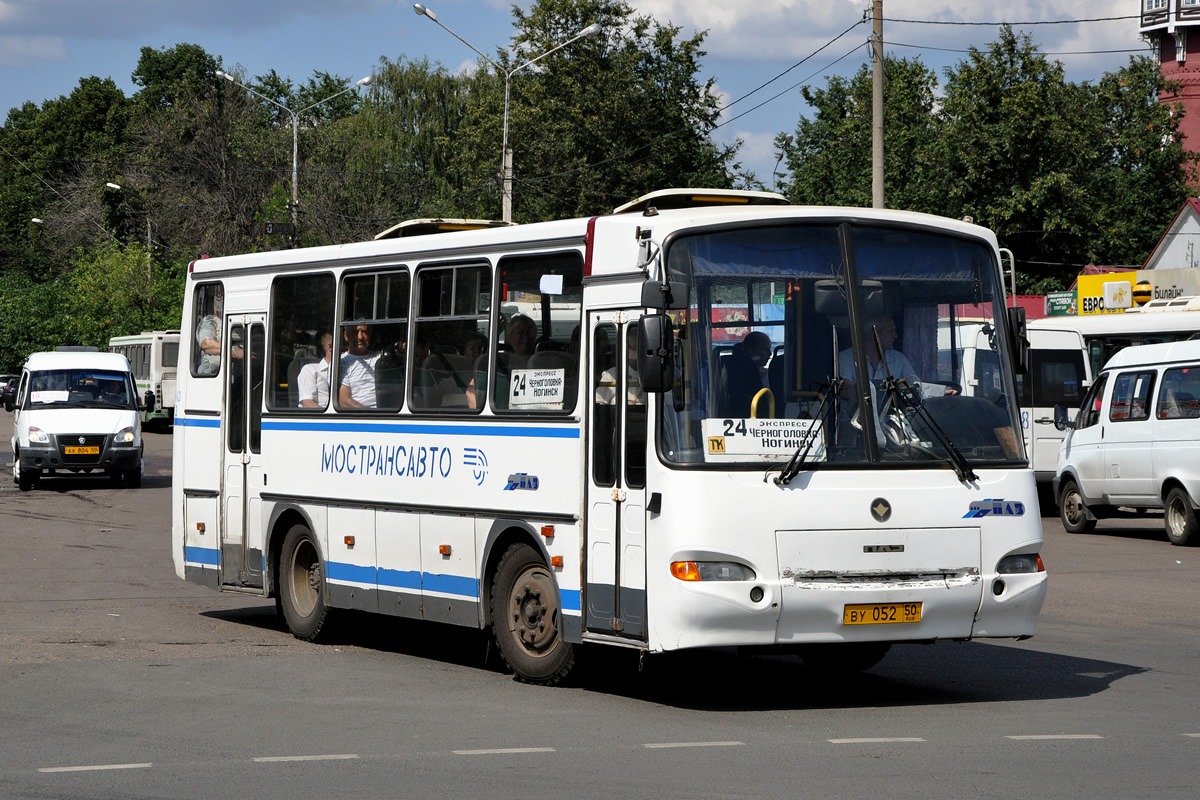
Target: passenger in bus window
<point x="357" y="366"/>
<point x="313" y="380"/>
<point x="208" y="337"/>
<point x="520" y="335"/>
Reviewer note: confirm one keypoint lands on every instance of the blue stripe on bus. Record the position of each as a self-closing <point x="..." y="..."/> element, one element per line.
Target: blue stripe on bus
<point x="450" y="584"/>
<point x="571" y="599"/>
<point x="338" y="571"/>
<point x="202" y="555"/>
<point x="400" y="579"/>
<point x="526" y="431"/>
<point x="198" y="422"/>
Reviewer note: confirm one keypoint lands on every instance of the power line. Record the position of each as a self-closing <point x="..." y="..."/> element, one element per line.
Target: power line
<point x="984" y="24"/>
<point x="1063" y="53"/>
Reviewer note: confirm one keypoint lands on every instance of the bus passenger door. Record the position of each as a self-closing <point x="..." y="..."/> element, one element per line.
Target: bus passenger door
<point x="244" y="351"/>
<point x="615" y="538"/>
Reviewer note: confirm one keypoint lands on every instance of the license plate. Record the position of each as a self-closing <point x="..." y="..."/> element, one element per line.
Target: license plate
<point x="81" y="451"/>
<point x="881" y="613"/>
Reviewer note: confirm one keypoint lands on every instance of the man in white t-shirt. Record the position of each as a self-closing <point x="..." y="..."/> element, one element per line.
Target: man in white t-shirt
<point x="313" y="380"/>
<point x="358" y="370"/>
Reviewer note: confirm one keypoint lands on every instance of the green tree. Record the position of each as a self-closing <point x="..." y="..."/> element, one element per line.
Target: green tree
<point x="830" y="155"/>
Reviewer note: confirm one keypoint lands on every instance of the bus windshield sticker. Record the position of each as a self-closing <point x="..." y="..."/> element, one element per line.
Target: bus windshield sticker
<point x="538" y="388"/>
<point x="758" y="438"/>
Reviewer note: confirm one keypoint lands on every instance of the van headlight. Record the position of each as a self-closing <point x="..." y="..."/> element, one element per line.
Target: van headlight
<point x="39" y="436"/>
<point x="125" y="436"/>
<point x="711" y="571"/>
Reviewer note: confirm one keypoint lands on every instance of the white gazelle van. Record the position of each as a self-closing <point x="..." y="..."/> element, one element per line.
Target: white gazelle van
<point x="76" y="412"/>
<point x="1135" y="442"/>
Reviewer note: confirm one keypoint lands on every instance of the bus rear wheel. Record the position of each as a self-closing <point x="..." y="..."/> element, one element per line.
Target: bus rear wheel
<point x="302" y="584"/>
<point x="526" y="619"/>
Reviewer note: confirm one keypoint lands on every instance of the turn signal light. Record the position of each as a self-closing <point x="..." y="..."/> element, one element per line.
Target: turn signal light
<point x="444" y="549"/>
<point x="556" y="561"/>
<point x="548" y="531"/>
<point x="685" y="570"/>
<point x="349" y="540"/>
<point x="200" y="527"/>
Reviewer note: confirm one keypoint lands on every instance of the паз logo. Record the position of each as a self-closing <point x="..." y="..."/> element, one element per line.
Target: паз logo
<point x="997" y="507"/>
<point x="522" y="480"/>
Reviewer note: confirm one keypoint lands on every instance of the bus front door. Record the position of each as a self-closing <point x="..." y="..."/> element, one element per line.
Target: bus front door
<point x="615" y="549"/>
<point x="244" y="351"/>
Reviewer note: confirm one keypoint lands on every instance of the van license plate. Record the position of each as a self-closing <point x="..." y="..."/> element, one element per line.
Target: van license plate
<point x="81" y="451"/>
<point x="881" y="613"/>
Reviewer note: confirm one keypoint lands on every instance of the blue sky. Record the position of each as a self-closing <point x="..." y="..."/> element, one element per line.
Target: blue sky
<point x="46" y="46"/>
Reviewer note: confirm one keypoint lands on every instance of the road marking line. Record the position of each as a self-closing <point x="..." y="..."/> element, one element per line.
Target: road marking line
<point x="341" y="757"/>
<point x="663" y="745"/>
<point x="95" y="767"/>
<point x="875" y="740"/>
<point x="1058" y="736"/>
<point x="1193" y="735"/>
<point x="504" y="751"/>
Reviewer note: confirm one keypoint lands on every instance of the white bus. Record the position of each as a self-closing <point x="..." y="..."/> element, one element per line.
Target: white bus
<point x="606" y="487"/>
<point x="154" y="358"/>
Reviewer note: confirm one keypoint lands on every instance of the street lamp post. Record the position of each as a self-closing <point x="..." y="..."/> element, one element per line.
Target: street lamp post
<point x="505" y="151"/>
<point x="295" y="116"/>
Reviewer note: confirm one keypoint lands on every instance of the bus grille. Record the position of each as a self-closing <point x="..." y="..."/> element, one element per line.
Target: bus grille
<point x="81" y="440"/>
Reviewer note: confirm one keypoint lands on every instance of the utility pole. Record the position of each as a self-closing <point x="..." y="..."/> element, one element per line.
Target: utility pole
<point x="877" y="104"/>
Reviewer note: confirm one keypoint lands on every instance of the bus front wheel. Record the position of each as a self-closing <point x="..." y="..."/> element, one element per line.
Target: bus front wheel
<point x="1180" y="518"/>
<point x="302" y="584"/>
<point x="526" y="618"/>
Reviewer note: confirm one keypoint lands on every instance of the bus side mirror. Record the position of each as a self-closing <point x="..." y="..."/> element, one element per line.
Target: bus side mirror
<point x="1019" y="342"/>
<point x="1061" y="421"/>
<point x="671" y="296"/>
<point x="656" y="352"/>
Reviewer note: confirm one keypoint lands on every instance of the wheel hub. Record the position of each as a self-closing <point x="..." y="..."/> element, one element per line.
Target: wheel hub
<point x="533" y="621"/>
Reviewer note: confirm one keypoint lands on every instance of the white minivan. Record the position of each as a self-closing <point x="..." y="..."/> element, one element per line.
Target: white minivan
<point x="76" y="412"/>
<point x="1135" y="442"/>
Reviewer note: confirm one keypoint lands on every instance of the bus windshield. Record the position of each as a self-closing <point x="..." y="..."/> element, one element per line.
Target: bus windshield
<point x="783" y="319"/>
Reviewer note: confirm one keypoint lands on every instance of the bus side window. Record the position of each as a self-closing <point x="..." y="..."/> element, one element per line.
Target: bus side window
<point x="301" y="315"/>
<point x="604" y="409"/>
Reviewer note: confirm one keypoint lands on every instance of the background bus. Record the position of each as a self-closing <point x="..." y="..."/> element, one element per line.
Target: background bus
<point x="153" y="357"/>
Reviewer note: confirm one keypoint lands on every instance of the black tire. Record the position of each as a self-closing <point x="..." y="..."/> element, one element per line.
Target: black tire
<point x="1072" y="511"/>
<point x="302" y="584"/>
<point x="850" y="658"/>
<point x="24" y="480"/>
<point x="526" y="619"/>
<point x="134" y="477"/>
<point x="1179" y="518"/>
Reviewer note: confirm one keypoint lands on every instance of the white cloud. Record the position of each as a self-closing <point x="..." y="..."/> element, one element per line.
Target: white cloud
<point x="20" y="51"/>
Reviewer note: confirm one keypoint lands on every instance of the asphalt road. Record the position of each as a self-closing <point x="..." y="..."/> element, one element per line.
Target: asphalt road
<point x="117" y="680"/>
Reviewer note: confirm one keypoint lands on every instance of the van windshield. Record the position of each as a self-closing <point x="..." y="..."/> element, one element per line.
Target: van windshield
<point x="80" y="388"/>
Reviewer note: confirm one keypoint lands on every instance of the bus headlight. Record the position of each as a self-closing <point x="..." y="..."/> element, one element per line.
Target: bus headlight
<point x="711" y="571"/>
<point x="125" y="436"/>
<point x="1012" y="565"/>
<point x="39" y="436"/>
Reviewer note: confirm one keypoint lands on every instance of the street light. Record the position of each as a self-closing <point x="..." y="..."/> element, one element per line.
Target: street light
<point x="295" y="115"/>
<point x="505" y="152"/>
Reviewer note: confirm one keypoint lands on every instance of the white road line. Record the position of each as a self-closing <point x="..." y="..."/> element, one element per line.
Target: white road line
<point x="95" y="767"/>
<point x="663" y="745"/>
<point x="504" y="751"/>
<point x="1057" y="736"/>
<point x="1193" y="735"/>
<point x="876" y="740"/>
<point x="342" y="757"/>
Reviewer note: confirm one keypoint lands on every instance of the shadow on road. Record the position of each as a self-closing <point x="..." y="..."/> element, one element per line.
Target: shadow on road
<point x="724" y="680"/>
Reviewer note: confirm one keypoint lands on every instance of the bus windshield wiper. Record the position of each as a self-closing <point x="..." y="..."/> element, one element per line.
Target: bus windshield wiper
<point x="829" y="401"/>
<point x="898" y="389"/>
